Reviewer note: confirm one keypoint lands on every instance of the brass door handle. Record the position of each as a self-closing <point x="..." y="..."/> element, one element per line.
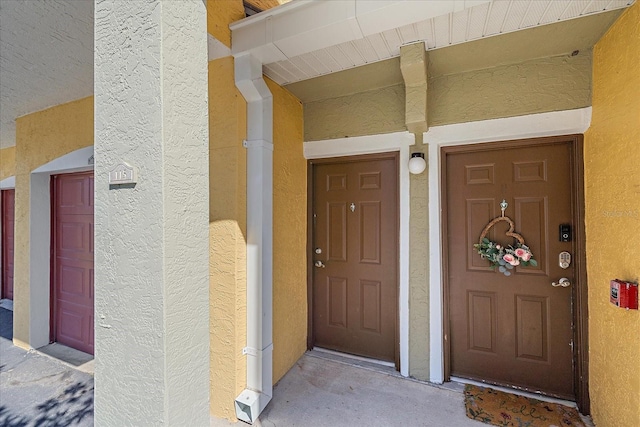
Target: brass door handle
<point x="319" y="264"/>
<point x="563" y="282"/>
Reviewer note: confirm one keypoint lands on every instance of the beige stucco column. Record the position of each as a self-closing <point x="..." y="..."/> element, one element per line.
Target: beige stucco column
<point x="151" y="236"/>
<point x="413" y="64"/>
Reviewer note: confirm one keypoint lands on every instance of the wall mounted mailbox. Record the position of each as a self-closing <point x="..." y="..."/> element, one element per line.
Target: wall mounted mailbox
<point x="624" y="294"/>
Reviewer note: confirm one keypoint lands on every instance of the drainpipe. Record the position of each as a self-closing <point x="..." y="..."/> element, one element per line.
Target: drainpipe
<point x="259" y="350"/>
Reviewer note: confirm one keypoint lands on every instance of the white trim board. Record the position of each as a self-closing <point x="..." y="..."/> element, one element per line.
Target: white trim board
<point x="8" y="183"/>
<point x="371" y="144"/>
<point x="522" y="127"/>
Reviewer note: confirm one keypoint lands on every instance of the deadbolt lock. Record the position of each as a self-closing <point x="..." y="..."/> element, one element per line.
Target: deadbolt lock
<point x="564" y="260"/>
<point x="318" y="251"/>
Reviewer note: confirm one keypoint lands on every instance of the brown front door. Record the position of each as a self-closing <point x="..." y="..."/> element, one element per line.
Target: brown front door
<point x="73" y="260"/>
<point x="355" y="283"/>
<point x="8" y="215"/>
<point x="515" y="330"/>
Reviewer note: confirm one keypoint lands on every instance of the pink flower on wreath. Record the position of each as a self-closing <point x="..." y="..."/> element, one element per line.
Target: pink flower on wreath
<point x="511" y="259"/>
<point x="523" y="254"/>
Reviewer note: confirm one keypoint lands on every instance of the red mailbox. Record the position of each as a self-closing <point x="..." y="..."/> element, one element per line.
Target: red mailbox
<point x="624" y="294"/>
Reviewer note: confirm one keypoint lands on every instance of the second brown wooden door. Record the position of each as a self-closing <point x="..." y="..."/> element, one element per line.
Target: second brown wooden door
<point x="355" y="250"/>
<point x="514" y="330"/>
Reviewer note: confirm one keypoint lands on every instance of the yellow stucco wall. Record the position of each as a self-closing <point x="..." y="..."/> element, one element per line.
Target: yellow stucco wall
<point x="227" y="127"/>
<point x="612" y="187"/>
<point x="7" y="162"/>
<point x="227" y="231"/>
<point x="220" y="13"/>
<point x="289" y="232"/>
<point x="40" y="138"/>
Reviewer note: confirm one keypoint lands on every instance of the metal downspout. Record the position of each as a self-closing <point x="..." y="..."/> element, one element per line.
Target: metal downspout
<point x="259" y="350"/>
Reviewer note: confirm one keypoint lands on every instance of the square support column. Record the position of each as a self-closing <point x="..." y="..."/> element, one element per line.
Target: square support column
<point x="151" y="236"/>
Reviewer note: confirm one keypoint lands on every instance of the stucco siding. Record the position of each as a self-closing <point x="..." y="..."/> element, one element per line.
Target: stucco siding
<point x="530" y="87"/>
<point x="366" y="113"/>
<point x="227" y="235"/>
<point x="7" y="162"/>
<point x="289" y="232"/>
<point x="612" y="186"/>
<point x="419" y="276"/>
<point x="537" y="86"/>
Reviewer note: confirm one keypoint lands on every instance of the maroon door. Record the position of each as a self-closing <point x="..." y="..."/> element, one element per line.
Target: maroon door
<point x="73" y="260"/>
<point x="8" y="215"/>
<point x="355" y="249"/>
<point x="511" y="330"/>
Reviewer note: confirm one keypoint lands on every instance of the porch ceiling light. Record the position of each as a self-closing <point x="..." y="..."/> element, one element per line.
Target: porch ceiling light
<point x="417" y="164"/>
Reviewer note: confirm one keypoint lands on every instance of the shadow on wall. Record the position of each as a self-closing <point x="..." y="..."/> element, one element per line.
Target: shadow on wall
<point x="74" y="406"/>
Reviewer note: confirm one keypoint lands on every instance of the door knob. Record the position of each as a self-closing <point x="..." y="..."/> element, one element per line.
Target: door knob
<point x="319" y="264"/>
<point x="563" y="282"/>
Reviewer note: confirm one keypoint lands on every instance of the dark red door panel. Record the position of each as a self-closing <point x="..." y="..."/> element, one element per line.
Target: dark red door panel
<point x="73" y="260"/>
<point x="8" y="215"/>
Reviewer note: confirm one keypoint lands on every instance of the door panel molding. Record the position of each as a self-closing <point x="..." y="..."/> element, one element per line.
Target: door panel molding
<point x="579" y="291"/>
<point x="326" y="150"/>
<point x="510" y="128"/>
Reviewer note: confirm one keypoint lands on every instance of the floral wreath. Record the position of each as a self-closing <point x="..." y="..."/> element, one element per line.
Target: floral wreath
<point x="501" y="257"/>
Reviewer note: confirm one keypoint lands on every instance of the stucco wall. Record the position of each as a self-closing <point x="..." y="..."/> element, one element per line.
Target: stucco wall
<point x="227" y="124"/>
<point x="419" y="272"/>
<point x="366" y="113"/>
<point x="7" y="162"/>
<point x="227" y="231"/>
<point x="612" y="184"/>
<point x="40" y="138"/>
<point x="289" y="232"/>
<point x="220" y="13"/>
<point x="537" y="86"/>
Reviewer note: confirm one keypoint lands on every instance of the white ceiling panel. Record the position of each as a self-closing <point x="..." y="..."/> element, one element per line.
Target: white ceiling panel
<point x="476" y="26"/>
<point x="425" y="32"/>
<point x="393" y="40"/>
<point x="409" y="34"/>
<point x="575" y="8"/>
<point x="497" y="15"/>
<point x="555" y="10"/>
<point x="364" y="47"/>
<point x="517" y="11"/>
<point x="379" y="44"/>
<point x="483" y="19"/>
<point x="534" y="14"/>
<point x="325" y="60"/>
<point x="351" y="52"/>
<point x="441" y="26"/>
<point x="459" y="27"/>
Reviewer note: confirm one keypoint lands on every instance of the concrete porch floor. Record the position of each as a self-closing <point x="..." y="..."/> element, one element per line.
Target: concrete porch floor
<point x="328" y="390"/>
<point x="321" y="389"/>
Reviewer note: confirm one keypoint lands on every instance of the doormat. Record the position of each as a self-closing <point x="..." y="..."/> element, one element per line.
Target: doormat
<point x="505" y="409"/>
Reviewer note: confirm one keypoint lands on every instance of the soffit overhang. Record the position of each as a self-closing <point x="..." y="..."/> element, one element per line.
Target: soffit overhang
<point x="305" y="39"/>
<point x="46" y="57"/>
